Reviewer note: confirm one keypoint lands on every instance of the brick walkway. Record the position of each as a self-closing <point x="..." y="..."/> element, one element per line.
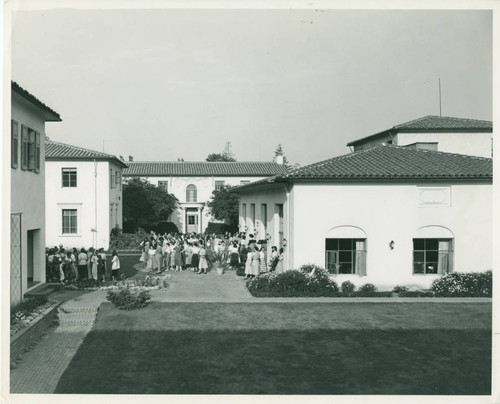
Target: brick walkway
<point x="41" y="368"/>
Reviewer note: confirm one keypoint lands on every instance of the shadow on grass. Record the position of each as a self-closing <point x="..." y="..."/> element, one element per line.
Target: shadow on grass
<point x="320" y="361"/>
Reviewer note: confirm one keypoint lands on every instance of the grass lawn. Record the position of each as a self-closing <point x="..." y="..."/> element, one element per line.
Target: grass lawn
<point x="286" y="348"/>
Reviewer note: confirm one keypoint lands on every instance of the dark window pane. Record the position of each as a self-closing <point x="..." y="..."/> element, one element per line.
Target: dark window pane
<point x="345" y="244"/>
<point x="345" y="268"/>
<point x="331" y="244"/>
<point x="431" y="256"/>
<point x="431" y="268"/>
<point x="418" y="244"/>
<point x="418" y="256"/>
<point x="345" y="256"/>
<point x="431" y="244"/>
<point x="418" y="268"/>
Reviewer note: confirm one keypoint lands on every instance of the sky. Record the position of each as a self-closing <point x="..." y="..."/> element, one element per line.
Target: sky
<point x="162" y="84"/>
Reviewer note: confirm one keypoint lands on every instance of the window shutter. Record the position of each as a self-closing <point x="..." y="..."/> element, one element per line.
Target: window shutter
<point x="31" y="151"/>
<point x="24" y="147"/>
<point x="360" y="258"/>
<point x="14" y="144"/>
<point x="37" y="152"/>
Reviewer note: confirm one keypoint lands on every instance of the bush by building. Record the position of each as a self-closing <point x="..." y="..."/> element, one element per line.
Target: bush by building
<point x="458" y="284"/>
<point x="125" y="300"/>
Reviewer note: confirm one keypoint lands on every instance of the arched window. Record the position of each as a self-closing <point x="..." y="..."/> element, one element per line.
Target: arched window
<point x="345" y="251"/>
<point x="191" y="193"/>
<point x="432" y="250"/>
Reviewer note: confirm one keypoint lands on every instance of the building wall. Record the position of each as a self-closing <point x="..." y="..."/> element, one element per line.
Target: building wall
<point x="373" y="142"/>
<point x="204" y="186"/>
<point x="473" y="144"/>
<point x="83" y="197"/>
<point x="271" y="197"/>
<point x="394" y="213"/>
<point x="27" y="198"/>
<point x="115" y="199"/>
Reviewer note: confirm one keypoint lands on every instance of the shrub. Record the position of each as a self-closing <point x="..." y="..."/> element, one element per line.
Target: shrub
<point x="400" y="289"/>
<point x="165" y="227"/>
<point x="26" y="307"/>
<point x="293" y="283"/>
<point x="127" y="241"/>
<point x="217" y="228"/>
<point x="368" y="287"/>
<point x="347" y="287"/>
<point x="124" y="300"/>
<point x="309" y="268"/>
<point x="457" y="284"/>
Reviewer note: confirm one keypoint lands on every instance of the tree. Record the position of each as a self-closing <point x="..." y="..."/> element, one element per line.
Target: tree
<point x="279" y="152"/>
<point x="145" y="203"/>
<point x="226" y="155"/>
<point x="225" y="206"/>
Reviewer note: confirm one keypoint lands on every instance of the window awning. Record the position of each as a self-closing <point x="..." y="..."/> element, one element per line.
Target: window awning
<point x="346" y="232"/>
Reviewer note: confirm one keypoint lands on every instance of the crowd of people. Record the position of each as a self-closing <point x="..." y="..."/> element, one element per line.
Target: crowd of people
<point x="195" y="252"/>
<point x="73" y="266"/>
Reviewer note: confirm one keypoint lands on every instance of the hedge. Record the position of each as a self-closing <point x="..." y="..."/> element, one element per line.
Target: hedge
<point x="458" y="284"/>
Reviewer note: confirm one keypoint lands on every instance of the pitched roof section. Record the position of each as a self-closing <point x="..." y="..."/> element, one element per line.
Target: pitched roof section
<point x="51" y="115"/>
<point x="391" y="163"/>
<point x="203" y="168"/>
<point x="62" y="151"/>
<point x="434" y="123"/>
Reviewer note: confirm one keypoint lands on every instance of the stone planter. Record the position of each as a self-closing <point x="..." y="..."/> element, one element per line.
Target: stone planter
<point x="28" y="336"/>
<point x="220" y="270"/>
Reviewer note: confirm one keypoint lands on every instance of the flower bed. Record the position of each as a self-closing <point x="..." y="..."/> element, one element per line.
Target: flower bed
<point x="27" y="311"/>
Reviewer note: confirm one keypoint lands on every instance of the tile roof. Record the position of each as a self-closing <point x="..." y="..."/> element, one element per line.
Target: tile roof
<point x="62" y="151"/>
<point x="434" y="123"/>
<point x="203" y="168"/>
<point x="387" y="162"/>
<point x="52" y="115"/>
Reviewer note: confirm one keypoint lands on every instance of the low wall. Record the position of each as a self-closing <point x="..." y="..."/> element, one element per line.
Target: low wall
<point x="28" y="336"/>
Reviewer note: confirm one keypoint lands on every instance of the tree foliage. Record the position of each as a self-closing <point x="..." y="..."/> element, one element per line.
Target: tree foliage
<point x="279" y="152"/>
<point x="145" y="203"/>
<point x="226" y="155"/>
<point x="225" y="206"/>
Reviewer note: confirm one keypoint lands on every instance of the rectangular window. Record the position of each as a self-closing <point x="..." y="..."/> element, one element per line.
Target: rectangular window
<point x="14" y="143"/>
<point x="69" y="221"/>
<point x="244" y="214"/>
<point x="163" y="185"/>
<point x="111" y="178"/>
<point x="345" y="256"/>
<point x="263" y="219"/>
<point x="219" y="185"/>
<point x="252" y="215"/>
<point x="243" y="182"/>
<point x="432" y="256"/>
<point x="24" y="147"/>
<point x="69" y="177"/>
<point x="118" y="179"/>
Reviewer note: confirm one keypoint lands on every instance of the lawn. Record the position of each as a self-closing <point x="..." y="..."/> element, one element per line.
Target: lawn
<point x="286" y="348"/>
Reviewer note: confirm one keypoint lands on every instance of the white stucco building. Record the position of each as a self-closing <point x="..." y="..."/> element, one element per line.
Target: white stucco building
<point x="387" y="215"/>
<point x="27" y="202"/>
<point x="83" y="196"/>
<point x="193" y="183"/>
<point x="453" y="135"/>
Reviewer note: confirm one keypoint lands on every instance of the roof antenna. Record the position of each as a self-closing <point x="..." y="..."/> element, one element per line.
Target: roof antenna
<point x="440" y="96"/>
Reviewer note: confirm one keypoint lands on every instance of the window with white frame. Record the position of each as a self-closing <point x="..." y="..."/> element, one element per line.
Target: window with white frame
<point x="244" y="213"/>
<point x="163" y="185"/>
<point x="263" y="219"/>
<point x="219" y="185"/>
<point x="69" y="177"/>
<point x="432" y="256"/>
<point x="191" y="193"/>
<point x="69" y="221"/>
<point x="345" y="256"/>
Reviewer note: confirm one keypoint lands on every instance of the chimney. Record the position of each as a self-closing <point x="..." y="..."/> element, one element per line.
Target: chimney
<point x="278" y="159"/>
<point x="130" y="158"/>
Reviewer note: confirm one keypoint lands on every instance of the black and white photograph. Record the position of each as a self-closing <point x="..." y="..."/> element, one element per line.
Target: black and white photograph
<point x="242" y="202"/>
